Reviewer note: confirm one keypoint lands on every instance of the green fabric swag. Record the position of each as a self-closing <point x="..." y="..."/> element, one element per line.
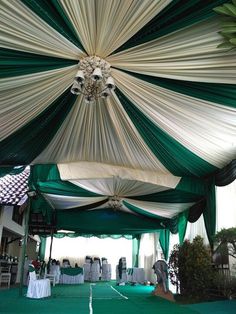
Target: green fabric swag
<point x="182" y="225"/>
<point x="178" y="14"/>
<point x="174" y="156"/>
<point x="23" y="146"/>
<point x="16" y="63"/>
<point x="209" y="213"/>
<point x="105" y="221"/>
<point x="42" y="248"/>
<point x="52" y="13"/>
<point x="223" y="94"/>
<point x="61" y="235"/>
<point x="10" y="170"/>
<point x="164" y="240"/>
<point x="135" y="251"/>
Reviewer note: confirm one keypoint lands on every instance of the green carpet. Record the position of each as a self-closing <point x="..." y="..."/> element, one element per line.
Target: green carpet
<point x="74" y="299"/>
<point x="219" y="307"/>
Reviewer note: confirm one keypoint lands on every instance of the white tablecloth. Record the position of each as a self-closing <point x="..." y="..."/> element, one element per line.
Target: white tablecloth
<point x="136" y="275"/>
<point x="70" y="280"/>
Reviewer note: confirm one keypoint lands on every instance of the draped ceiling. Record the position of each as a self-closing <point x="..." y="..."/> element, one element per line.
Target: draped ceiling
<point x="156" y="143"/>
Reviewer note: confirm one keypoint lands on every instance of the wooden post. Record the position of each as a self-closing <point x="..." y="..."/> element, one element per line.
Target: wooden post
<point x="23" y="251"/>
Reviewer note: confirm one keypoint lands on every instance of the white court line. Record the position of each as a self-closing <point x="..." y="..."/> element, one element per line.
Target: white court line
<point x="91" y="299"/>
<point x="119" y="293"/>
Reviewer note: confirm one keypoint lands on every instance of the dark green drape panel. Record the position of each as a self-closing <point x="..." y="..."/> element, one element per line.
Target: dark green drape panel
<point x="223" y="94"/>
<point x="10" y="170"/>
<point x="210" y="211"/>
<point x="23" y="146"/>
<point x="104" y="221"/>
<point x="164" y="240"/>
<point x="42" y="248"/>
<point x="178" y="14"/>
<point x="174" y="156"/>
<point x="135" y="249"/>
<point x="15" y="63"/>
<point x="226" y="175"/>
<point x="182" y="225"/>
<point x="52" y="13"/>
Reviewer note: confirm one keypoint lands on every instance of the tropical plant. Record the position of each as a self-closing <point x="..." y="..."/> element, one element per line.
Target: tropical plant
<point x="190" y="267"/>
<point x="228" y="24"/>
<point x="227" y="237"/>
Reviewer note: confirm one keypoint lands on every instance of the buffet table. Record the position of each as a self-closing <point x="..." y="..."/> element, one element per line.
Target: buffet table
<point x="136" y="275"/>
<point x="70" y="275"/>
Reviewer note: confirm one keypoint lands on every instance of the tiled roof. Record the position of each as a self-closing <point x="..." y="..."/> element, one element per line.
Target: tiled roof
<point x="13" y="188"/>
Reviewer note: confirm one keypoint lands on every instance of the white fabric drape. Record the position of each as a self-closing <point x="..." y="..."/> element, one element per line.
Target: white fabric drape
<point x="104" y="25"/>
<point x="89" y="170"/>
<point x="205" y="128"/>
<point x="65" y="202"/>
<point x="24" y="97"/>
<point x="195" y="229"/>
<point x="22" y="29"/>
<point x="101" y="132"/>
<point x="117" y="186"/>
<point x="166" y="210"/>
<point x="148" y="254"/>
<point x="226" y="206"/>
<point x="187" y="54"/>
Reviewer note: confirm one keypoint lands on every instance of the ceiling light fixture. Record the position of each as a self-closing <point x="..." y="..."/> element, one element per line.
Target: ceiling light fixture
<point x="114" y="202"/>
<point x="93" y="79"/>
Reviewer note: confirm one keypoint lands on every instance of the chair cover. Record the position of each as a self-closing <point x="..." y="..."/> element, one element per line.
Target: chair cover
<point x="87" y="271"/>
<point x="38" y="288"/>
<point x="95" y="271"/>
<point x="55" y="271"/>
<point x="121" y="271"/>
<point x="106" y="272"/>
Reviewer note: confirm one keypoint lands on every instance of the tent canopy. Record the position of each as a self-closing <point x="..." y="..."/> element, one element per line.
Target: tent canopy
<point x="147" y="153"/>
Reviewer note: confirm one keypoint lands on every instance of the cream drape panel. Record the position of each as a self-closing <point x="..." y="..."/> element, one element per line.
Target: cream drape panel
<point x="205" y="128"/>
<point x="188" y="54"/>
<point x="100" y="133"/>
<point x="117" y="186"/>
<point x="65" y="202"/>
<point x="22" y="98"/>
<point x="195" y="229"/>
<point x="167" y="210"/>
<point x="148" y="254"/>
<point x="21" y="29"/>
<point x="226" y="206"/>
<point x="92" y="170"/>
<point x="104" y="25"/>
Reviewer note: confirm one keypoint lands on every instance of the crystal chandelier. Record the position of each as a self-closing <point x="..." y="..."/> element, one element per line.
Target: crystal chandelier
<point x="114" y="202"/>
<point x="93" y="79"/>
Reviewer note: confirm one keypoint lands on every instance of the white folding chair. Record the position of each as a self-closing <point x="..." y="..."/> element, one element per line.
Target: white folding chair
<point x="5" y="278"/>
<point x="37" y="288"/>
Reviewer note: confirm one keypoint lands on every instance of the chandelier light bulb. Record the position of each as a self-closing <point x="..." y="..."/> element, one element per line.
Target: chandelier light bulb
<point x="106" y="93"/>
<point x="79" y="76"/>
<point x="110" y="83"/>
<point x="97" y="75"/>
<point x="76" y="88"/>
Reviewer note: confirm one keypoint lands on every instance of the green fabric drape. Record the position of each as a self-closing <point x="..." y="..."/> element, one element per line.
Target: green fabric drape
<point x="105" y="221"/>
<point x="164" y="240"/>
<point x="15" y="63"/>
<point x="42" y="248"/>
<point x="53" y="14"/>
<point x="174" y="156"/>
<point x="182" y="225"/>
<point x="178" y="14"/>
<point x="61" y="235"/>
<point x="11" y="170"/>
<point x="223" y="94"/>
<point x="209" y="213"/>
<point x="23" y="146"/>
<point x="135" y="251"/>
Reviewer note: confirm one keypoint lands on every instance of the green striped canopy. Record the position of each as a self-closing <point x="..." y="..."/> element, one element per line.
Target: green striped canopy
<point x="155" y="143"/>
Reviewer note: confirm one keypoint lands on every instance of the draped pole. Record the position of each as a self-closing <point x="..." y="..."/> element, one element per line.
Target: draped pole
<point x="23" y="251"/>
<point x="50" y="253"/>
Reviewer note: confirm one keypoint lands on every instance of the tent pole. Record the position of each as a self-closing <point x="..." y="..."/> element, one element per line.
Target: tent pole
<point x="23" y="251"/>
<point x="50" y="254"/>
